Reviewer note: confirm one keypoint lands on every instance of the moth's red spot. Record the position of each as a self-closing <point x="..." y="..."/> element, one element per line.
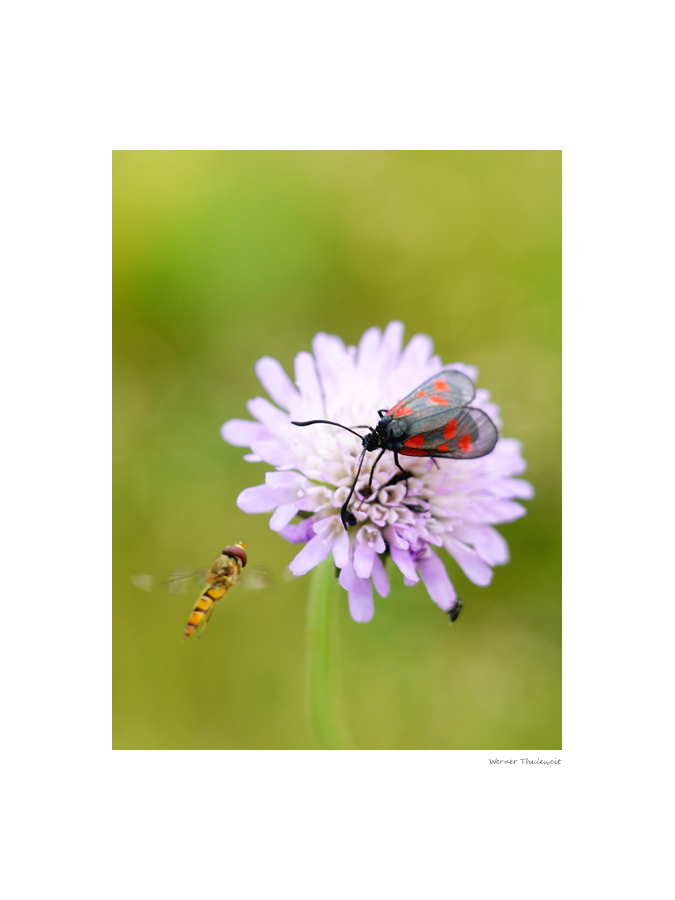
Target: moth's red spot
<point x="441" y="385"/>
<point x="401" y="411"/>
<point x="443" y="448"/>
<point x="450" y="430"/>
<point x="464" y="443"/>
<point x="413" y="451"/>
<point x="415" y="441"/>
<point x="436" y="399"/>
<point x="420" y="394"/>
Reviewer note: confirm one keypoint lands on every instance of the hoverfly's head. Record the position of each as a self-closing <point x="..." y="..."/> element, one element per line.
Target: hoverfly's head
<point x="238" y="551"/>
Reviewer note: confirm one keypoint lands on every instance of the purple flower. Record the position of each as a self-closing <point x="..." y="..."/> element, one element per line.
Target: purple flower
<point x="454" y="505"/>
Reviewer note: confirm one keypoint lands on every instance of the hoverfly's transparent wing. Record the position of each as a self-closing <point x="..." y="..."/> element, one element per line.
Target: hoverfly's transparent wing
<point x="179" y="581"/>
<point x="144" y="581"/>
<point x="255" y="579"/>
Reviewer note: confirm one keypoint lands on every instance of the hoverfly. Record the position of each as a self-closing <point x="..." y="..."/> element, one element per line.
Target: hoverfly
<point x="225" y="571"/>
<point x="219" y="578"/>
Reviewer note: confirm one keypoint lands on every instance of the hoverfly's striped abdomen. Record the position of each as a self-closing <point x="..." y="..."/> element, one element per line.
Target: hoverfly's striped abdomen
<point x="203" y="605"/>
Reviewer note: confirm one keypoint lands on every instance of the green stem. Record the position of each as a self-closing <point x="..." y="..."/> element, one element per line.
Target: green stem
<point x="321" y="615"/>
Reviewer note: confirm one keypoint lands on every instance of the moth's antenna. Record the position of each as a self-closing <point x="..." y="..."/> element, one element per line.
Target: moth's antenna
<point x="345" y="515"/>
<point x="326" y="422"/>
<point x="343" y="509"/>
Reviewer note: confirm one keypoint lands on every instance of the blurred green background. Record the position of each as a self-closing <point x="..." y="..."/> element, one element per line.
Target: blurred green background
<point x="220" y="258"/>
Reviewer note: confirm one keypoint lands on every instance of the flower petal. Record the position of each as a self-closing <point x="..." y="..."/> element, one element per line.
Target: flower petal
<point x="504" y="511"/>
<point x="401" y="557"/>
<point x="274" y="452"/>
<point x="299" y="532"/>
<point x="486" y="540"/>
<point x="242" y="433"/>
<point x="470" y="562"/>
<point x="415" y="356"/>
<point x="276" y="382"/>
<point x="360" y="592"/>
<point x="271" y="416"/>
<point x="280" y="480"/>
<point x="372" y="537"/>
<point x="379" y="576"/>
<point x="364" y="557"/>
<point x="310" y="389"/>
<point x="314" y="552"/>
<point x="390" y="348"/>
<point x="283" y="515"/>
<point x="257" y="499"/>
<point x="436" y="580"/>
<point x="341" y="550"/>
<point x="331" y="359"/>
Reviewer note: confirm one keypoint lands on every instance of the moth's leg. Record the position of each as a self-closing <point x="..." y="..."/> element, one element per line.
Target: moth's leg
<point x="406" y="475"/>
<point x="366" y="493"/>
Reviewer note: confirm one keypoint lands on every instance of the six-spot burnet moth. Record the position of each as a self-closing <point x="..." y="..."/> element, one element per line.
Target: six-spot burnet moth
<point x="434" y="420"/>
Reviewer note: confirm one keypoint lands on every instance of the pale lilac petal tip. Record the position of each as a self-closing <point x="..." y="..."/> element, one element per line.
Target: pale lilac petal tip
<point x="436" y="580"/>
<point x="379" y="576"/>
<point x="283" y="515"/>
<point x="298" y="533"/>
<point x="360" y="592"/>
<point x="311" y="555"/>
<point x="257" y="499"/>
<point x="364" y="557"/>
<point x="276" y="382"/>
<point x="242" y="433"/>
<point x="341" y="550"/>
<point x="403" y="559"/>
<point x="361" y="606"/>
<point x="470" y="562"/>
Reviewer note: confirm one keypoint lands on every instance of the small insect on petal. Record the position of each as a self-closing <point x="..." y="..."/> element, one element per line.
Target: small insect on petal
<point x="455" y="610"/>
